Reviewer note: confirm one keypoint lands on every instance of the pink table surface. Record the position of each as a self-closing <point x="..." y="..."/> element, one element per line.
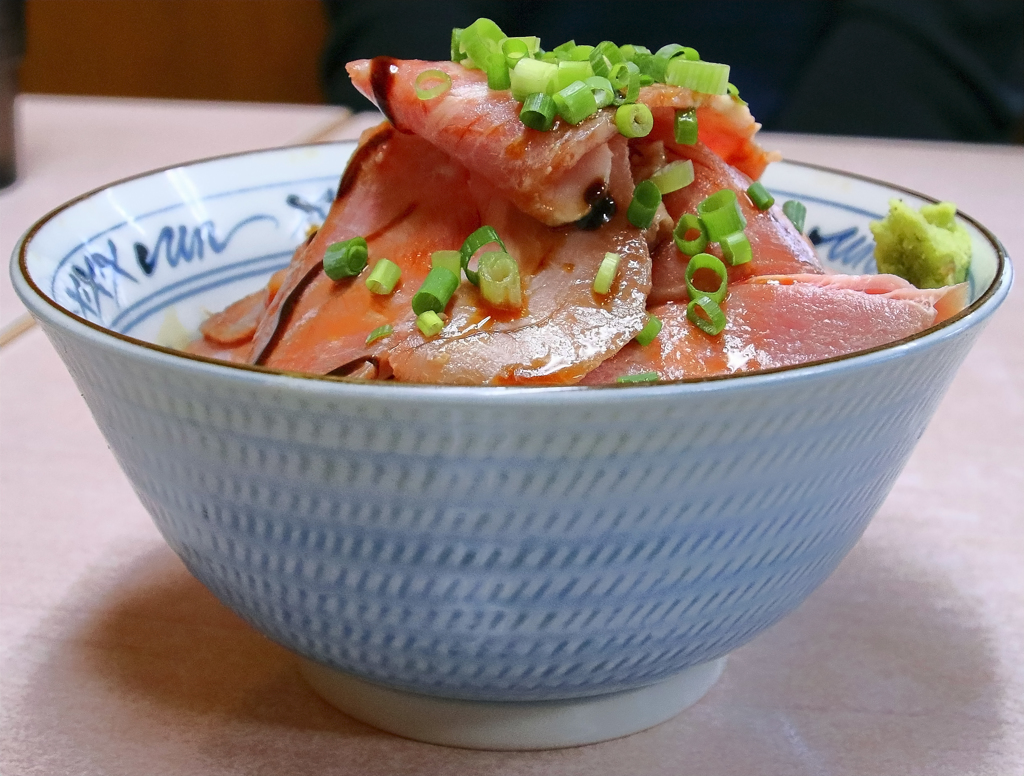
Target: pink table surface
<point x="908" y="660"/>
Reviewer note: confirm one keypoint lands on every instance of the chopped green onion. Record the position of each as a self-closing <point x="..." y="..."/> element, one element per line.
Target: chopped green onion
<point x="499" y="280"/>
<point x="514" y="49"/>
<point x="639" y="377"/>
<point x="736" y="248"/>
<point x="653" y="66"/>
<point x="450" y="260"/>
<point x="437" y="289"/>
<point x="670" y="50"/>
<point x="629" y="51"/>
<point x="477" y="240"/>
<point x="795" y="212"/>
<point x="480" y="41"/>
<point x="345" y="259"/>
<point x="383" y="277"/>
<point x="457" y="53"/>
<point x="604" y="94"/>
<point x="498" y="76"/>
<point x="606" y="273"/>
<point x="634" y="120"/>
<point x="570" y="72"/>
<point x="734" y="92"/>
<point x="713" y="323"/>
<point x="713" y="263"/>
<point x="538" y="112"/>
<point x="562" y="51"/>
<point x="721" y="214"/>
<point x="687" y="223"/>
<point x="531" y="76"/>
<point x="380" y="333"/>
<point x="604" y="56"/>
<point x="618" y="76"/>
<point x="575" y="102"/>
<point x="432" y="83"/>
<point x="698" y="76"/>
<point x="685" y="128"/>
<point x="650" y="331"/>
<point x="581" y="54"/>
<point x="646" y="199"/>
<point x="429" y="323"/>
<point x="759" y="196"/>
<point x="673" y="176"/>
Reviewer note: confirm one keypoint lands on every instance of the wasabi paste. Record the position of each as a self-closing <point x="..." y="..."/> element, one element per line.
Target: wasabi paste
<point x="927" y="247"/>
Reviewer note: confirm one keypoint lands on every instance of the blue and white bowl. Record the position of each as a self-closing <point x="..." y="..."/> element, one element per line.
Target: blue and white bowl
<point x="488" y="567"/>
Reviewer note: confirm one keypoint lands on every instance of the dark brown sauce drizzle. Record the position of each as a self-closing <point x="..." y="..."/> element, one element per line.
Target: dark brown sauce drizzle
<point x="355" y="164"/>
<point x="285" y="310"/>
<point x="382" y="76"/>
<point x="602" y="206"/>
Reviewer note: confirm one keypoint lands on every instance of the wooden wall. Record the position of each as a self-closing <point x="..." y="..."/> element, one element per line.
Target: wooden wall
<point x="257" y="50"/>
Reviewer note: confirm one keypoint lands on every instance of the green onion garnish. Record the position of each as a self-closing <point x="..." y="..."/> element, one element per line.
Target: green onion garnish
<point x="570" y="72"/>
<point x="605" y="56"/>
<point x="629" y="51"/>
<point x="795" y="212"/>
<point x="432" y="83"/>
<point x="646" y="199"/>
<point x="450" y="260"/>
<point x="581" y="54"/>
<point x="653" y="66"/>
<point x="345" y="259"/>
<point x="437" y="289"/>
<point x="721" y="214"/>
<point x="481" y="41"/>
<point x="713" y="263"/>
<point x="514" y="49"/>
<point x="634" y="120"/>
<point x="685" y="128"/>
<point x="380" y="333"/>
<point x="759" y="196"/>
<point x="606" y="273"/>
<point x="429" y="323"/>
<point x="604" y="94"/>
<point x="383" y="277"/>
<point x="736" y="248"/>
<point x="538" y="112"/>
<point x="564" y="50"/>
<point x="477" y="240"/>
<point x="673" y="176"/>
<point x="457" y="53"/>
<point x="688" y="222"/>
<point x="499" y="280"/>
<point x="575" y="102"/>
<point x="698" y="76"/>
<point x="531" y="76"/>
<point x="650" y="330"/>
<point x="712" y="322"/>
<point x="734" y="92"/>
<point x="640" y="377"/>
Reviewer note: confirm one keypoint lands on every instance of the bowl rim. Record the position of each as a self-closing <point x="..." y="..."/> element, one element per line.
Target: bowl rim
<point x="986" y="303"/>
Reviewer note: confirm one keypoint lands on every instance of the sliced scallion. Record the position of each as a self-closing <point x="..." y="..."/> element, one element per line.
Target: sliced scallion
<point x="605" y="56"/>
<point x="642" y="209"/>
<point x="688" y="222"/>
<point x="383" y="277"/>
<point x="650" y="331"/>
<point x="575" y="102"/>
<point x="709" y="262"/>
<point x="570" y="71"/>
<point x="437" y="289"/>
<point x="450" y="260"/>
<point x="499" y="280"/>
<point x="639" y="377"/>
<point x="673" y="176"/>
<point x="457" y="53"/>
<point x="538" y="112"/>
<point x="581" y="53"/>
<point x="795" y="212"/>
<point x="721" y="214"/>
<point x="380" y="333"/>
<point x="485" y="235"/>
<point x="712" y="321"/>
<point x="634" y="120"/>
<point x="698" y="76"/>
<point x="514" y="49"/>
<point x="759" y="196"/>
<point x="606" y="273"/>
<point x="685" y="127"/>
<point x="429" y="323"/>
<point x="736" y="248"/>
<point x="532" y="76"/>
<point x="345" y="259"/>
<point x="604" y="94"/>
<point x="432" y="83"/>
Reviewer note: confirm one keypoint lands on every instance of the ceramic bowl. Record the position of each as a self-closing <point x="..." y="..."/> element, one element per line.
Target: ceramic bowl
<point x="488" y="567"/>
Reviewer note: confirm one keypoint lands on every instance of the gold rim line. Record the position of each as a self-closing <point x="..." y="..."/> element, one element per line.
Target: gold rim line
<point x="16" y="328"/>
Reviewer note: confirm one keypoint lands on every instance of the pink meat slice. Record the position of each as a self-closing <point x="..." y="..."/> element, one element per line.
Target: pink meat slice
<point x="566" y="329"/>
<point x="547" y="175"/>
<point x="785" y="320"/>
<point x="778" y="248"/>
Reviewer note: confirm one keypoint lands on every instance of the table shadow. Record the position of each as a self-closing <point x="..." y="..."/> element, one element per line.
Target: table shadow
<point x="885" y="666"/>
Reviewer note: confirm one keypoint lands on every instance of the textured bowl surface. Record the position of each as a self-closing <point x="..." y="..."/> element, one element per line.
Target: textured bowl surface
<point x="476" y="543"/>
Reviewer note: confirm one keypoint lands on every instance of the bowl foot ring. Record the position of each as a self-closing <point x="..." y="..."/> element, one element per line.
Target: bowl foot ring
<point x="516" y="725"/>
